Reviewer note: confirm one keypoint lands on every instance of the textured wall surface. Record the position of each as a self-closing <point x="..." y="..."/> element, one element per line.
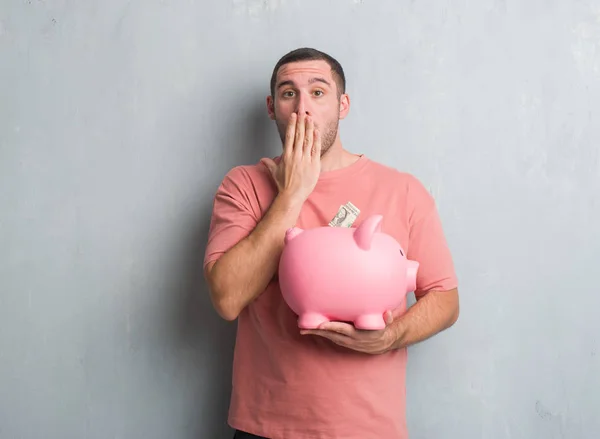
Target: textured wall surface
<point x="118" y="120"/>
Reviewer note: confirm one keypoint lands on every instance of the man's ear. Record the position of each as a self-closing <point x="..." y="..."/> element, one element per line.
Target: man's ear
<point x="271" y="107"/>
<point x="344" y="106"/>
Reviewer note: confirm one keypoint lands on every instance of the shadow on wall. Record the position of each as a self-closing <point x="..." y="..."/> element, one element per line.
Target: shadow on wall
<point x="207" y="338"/>
<point x="254" y="137"/>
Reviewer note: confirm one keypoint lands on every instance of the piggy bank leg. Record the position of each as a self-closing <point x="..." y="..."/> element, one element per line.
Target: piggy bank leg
<point x="311" y="320"/>
<point x="370" y="322"/>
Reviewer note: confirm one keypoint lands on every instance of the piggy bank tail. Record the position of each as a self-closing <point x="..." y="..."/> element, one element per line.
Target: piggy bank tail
<point x="411" y="276"/>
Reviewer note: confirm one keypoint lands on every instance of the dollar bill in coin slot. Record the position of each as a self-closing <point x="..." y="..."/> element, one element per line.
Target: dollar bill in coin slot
<point x="345" y="216"/>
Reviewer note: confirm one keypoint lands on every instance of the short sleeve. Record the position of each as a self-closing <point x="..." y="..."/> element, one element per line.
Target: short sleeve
<point x="428" y="245"/>
<point x="233" y="218"/>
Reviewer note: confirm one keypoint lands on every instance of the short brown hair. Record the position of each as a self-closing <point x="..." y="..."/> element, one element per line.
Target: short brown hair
<point x="309" y="54"/>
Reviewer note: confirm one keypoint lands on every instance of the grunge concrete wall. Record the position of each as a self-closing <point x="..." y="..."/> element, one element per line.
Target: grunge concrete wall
<point x="118" y="119"/>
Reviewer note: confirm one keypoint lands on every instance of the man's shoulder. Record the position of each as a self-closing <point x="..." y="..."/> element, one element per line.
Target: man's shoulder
<point x="394" y="176"/>
<point x="247" y="175"/>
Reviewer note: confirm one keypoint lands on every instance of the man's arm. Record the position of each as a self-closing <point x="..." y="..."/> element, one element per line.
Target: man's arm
<point x="433" y="313"/>
<point x="243" y="273"/>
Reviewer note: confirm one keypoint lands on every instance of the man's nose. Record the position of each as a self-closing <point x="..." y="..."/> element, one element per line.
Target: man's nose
<point x="302" y="108"/>
<point x="300" y="111"/>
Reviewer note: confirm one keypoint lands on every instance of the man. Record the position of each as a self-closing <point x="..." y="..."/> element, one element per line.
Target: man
<point x="336" y="381"/>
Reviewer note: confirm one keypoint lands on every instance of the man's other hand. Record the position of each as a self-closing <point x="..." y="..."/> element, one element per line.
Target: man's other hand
<point x="346" y="335"/>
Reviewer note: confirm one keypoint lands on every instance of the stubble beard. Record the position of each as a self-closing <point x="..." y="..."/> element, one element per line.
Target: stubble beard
<point x="328" y="135"/>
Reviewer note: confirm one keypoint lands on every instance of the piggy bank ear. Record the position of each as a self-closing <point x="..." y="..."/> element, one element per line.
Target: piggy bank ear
<point x="292" y="233"/>
<point x="363" y="235"/>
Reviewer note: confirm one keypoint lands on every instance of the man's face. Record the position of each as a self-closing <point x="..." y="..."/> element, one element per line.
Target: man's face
<point x="309" y="87"/>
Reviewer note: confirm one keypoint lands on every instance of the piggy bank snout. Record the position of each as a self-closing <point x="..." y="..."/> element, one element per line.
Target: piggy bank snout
<point x="411" y="275"/>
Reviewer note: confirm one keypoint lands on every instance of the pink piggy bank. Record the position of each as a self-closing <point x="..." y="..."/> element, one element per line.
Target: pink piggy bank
<point x="344" y="274"/>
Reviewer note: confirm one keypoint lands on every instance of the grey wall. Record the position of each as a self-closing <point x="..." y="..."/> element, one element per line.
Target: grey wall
<point x="118" y="120"/>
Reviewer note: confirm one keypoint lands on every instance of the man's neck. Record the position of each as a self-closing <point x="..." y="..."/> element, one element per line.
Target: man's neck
<point x="337" y="158"/>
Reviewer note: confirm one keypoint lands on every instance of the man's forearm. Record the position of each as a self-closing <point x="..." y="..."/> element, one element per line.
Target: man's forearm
<point x="436" y="311"/>
<point x="243" y="273"/>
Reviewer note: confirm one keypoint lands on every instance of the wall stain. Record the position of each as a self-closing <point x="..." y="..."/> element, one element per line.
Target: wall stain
<point x="542" y="411"/>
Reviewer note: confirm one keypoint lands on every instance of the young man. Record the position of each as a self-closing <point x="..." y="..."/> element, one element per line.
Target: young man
<point x="336" y="382"/>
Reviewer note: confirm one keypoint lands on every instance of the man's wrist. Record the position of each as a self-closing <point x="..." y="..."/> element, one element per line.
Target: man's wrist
<point x="289" y="202"/>
<point x="398" y="332"/>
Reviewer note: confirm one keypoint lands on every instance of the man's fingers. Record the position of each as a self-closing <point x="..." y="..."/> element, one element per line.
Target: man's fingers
<point x="309" y="136"/>
<point x="300" y="130"/>
<point x="339" y="327"/>
<point x="388" y="317"/>
<point x="317" y="143"/>
<point x="335" y="337"/>
<point x="290" y="133"/>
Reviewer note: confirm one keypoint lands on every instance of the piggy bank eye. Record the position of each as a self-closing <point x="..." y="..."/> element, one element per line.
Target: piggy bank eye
<point x="401" y="252"/>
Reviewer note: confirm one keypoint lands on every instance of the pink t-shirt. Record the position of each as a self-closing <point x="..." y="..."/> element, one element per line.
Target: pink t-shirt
<point x="292" y="386"/>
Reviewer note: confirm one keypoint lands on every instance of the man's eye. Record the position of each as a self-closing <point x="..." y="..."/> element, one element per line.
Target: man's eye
<point x="319" y="92"/>
<point x="288" y="94"/>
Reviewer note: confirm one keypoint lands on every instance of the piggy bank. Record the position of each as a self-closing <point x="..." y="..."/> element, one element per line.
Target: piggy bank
<point x="344" y="274"/>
